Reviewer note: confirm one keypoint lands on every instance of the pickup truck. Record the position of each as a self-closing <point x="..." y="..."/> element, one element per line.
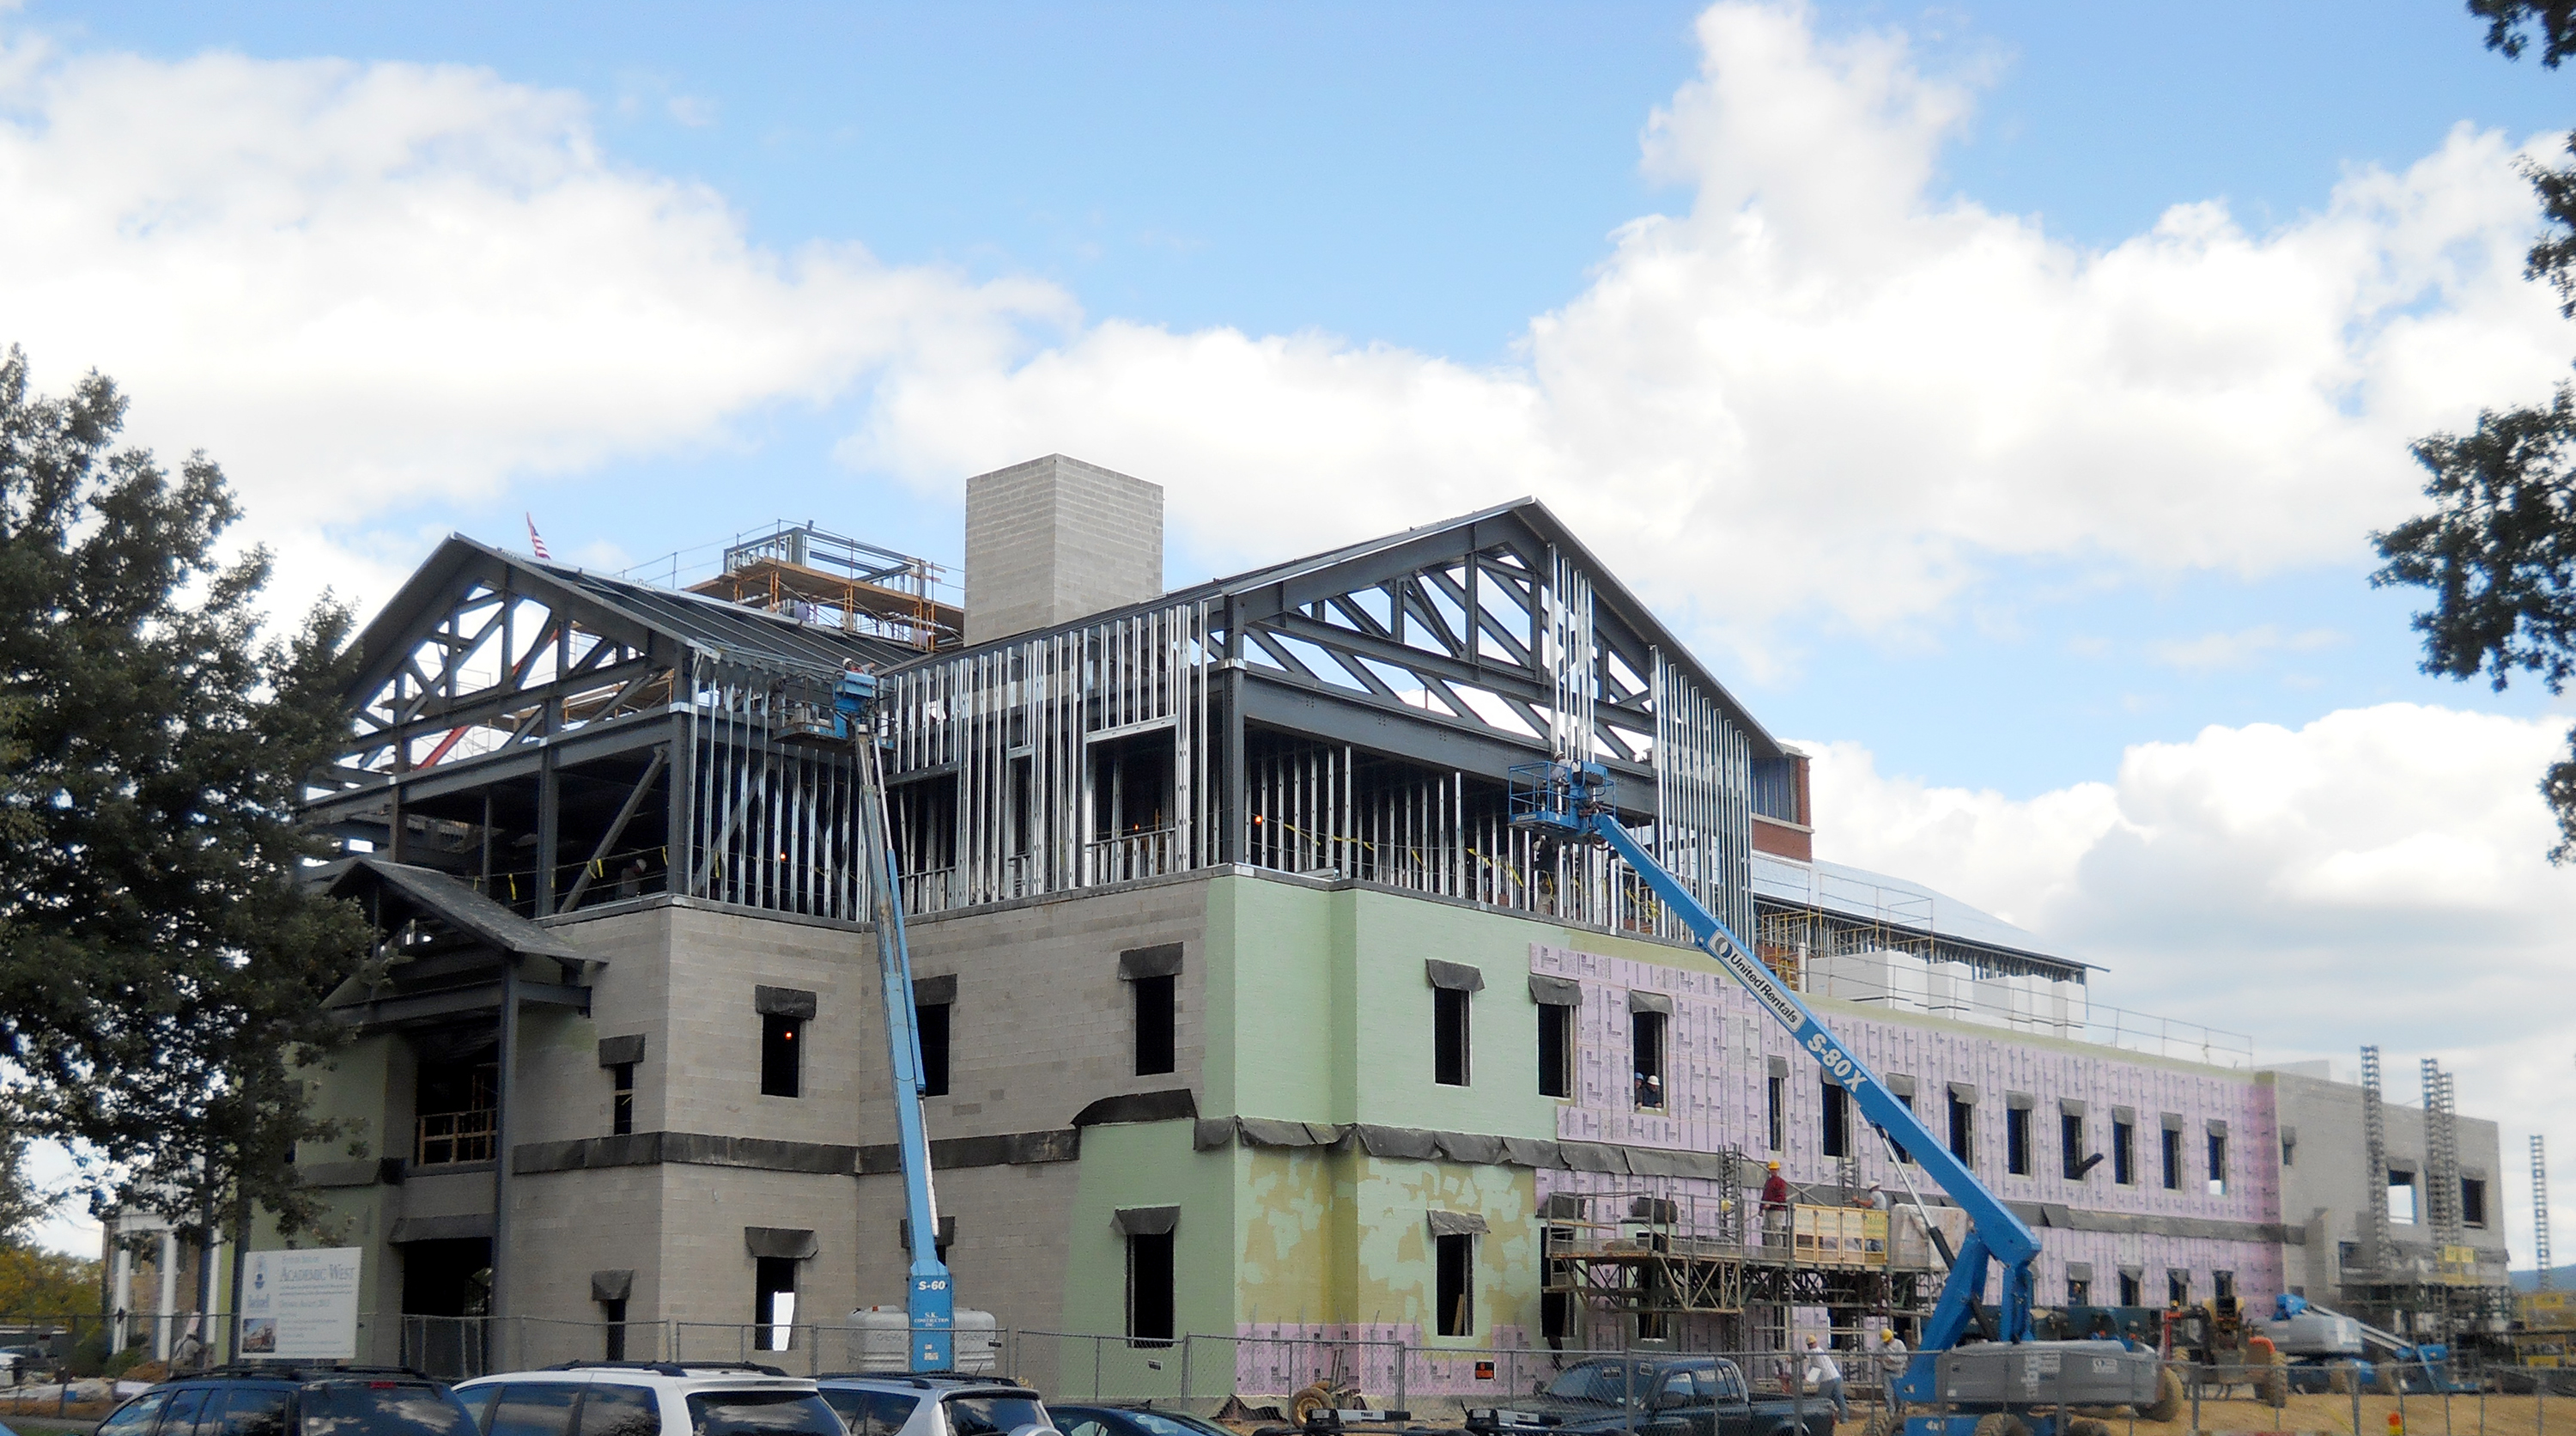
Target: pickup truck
<point x="1654" y="1396"/>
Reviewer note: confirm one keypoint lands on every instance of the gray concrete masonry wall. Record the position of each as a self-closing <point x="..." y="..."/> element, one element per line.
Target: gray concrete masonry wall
<point x="1055" y="539"/>
<point x="2326" y="1181"/>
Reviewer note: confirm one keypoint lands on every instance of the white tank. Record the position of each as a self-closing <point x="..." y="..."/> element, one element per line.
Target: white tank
<point x="880" y="1338"/>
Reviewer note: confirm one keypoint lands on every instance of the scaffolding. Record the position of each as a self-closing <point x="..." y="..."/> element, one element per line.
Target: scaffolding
<point x="1651" y="1259"/>
<point x="816" y="576"/>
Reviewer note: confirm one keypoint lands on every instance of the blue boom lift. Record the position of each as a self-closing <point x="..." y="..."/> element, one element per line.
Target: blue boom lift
<point x="930" y="1304"/>
<point x="1992" y="1385"/>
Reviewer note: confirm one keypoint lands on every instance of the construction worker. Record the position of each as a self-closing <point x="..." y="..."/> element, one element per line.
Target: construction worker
<point x="1826" y="1378"/>
<point x="1775" y="1208"/>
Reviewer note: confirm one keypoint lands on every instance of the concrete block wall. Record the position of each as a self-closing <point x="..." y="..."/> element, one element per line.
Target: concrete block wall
<point x="2328" y="1178"/>
<point x="1055" y="539"/>
<point x="1043" y="1026"/>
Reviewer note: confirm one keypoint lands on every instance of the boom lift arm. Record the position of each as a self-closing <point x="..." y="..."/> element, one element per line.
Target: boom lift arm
<point x="929" y="1301"/>
<point x="1572" y="801"/>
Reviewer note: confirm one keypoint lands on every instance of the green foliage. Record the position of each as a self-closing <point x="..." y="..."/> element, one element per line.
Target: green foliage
<point x="2507" y="22"/>
<point x="34" y="1282"/>
<point x="2498" y="550"/>
<point x="161" y="959"/>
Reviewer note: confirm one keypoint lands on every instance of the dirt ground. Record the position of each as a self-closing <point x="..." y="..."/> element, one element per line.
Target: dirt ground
<point x="2424" y="1416"/>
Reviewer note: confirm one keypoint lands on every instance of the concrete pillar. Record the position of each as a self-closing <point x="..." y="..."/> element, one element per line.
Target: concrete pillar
<point x="168" y="1264"/>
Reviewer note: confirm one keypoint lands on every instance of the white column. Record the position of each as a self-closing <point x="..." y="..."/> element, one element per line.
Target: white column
<point x="121" y="1285"/>
<point x="168" y="1263"/>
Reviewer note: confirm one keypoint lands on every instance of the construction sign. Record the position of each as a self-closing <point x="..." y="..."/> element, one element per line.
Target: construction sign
<point x="301" y="1306"/>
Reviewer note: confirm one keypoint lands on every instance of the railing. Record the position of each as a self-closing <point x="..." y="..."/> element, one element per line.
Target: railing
<point x="1146" y="854"/>
<point x="2042" y="1011"/>
<point x="447" y="1138"/>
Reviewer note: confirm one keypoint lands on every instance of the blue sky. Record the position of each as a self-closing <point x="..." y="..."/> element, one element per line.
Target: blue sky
<point x="1432" y="177"/>
<point x="1998" y="393"/>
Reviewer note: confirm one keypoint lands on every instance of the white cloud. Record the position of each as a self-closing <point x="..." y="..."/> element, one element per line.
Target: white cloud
<point x="2374" y="876"/>
<point x="1828" y="386"/>
<point x="367" y="286"/>
<point x="2211" y="652"/>
<point x="1827" y="389"/>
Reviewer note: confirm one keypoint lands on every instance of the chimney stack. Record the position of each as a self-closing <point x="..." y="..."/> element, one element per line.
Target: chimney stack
<point x="1055" y="539"/>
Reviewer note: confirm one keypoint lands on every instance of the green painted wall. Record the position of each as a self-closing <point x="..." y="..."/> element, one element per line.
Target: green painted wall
<point x="1150" y="1164"/>
<point x="1321" y="1012"/>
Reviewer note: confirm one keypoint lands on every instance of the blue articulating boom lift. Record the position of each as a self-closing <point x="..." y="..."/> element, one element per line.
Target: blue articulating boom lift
<point x="1990" y="1387"/>
<point x="930" y="1303"/>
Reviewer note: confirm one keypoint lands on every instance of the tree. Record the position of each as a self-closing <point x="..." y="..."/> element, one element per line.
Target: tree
<point x="2498" y="549"/>
<point x="162" y="959"/>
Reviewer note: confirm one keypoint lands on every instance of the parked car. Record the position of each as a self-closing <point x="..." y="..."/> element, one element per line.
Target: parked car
<point x="284" y="1399"/>
<point x="936" y="1405"/>
<point x="1094" y="1419"/>
<point x="1655" y="1396"/>
<point x="646" y="1398"/>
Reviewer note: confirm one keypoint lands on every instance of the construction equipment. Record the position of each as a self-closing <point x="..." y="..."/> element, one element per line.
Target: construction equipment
<point x="2316" y="1336"/>
<point x="2011" y="1374"/>
<point x="930" y="1313"/>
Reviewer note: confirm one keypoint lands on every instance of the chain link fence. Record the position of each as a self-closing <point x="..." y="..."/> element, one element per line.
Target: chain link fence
<point x="68" y="1366"/>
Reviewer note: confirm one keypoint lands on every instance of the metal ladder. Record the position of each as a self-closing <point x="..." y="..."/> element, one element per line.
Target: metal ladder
<point x="2540" y="1208"/>
<point x="2374" y="1138"/>
<point x="2441" y="1156"/>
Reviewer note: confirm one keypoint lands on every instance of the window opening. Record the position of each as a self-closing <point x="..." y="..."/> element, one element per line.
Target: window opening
<point x="2222" y="1285"/>
<point x="2217" y="1165"/>
<point x="2017" y="1141"/>
<point x="2173" y="1160"/>
<point x="2473" y="1202"/>
<point x="2079" y="1292"/>
<point x="1555" y="1051"/>
<point x="2070" y="1146"/>
<point x="2177" y="1287"/>
<point x="1963" y="1135"/>
<point x="2124" y="1166"/>
<point x="2401" y="1196"/>
<point x="932" y="1022"/>
<point x="1150" y="1301"/>
<point x="1779" y="1115"/>
<point x="612" y="1314"/>
<point x="1158" y="1002"/>
<point x="780" y="1072"/>
<point x="458" y="1105"/>
<point x="1456" y="1286"/>
<point x="1646" y="1048"/>
<point x="2130" y="1295"/>
<point x="1903" y="1157"/>
<point x="1449" y="1036"/>
<point x="621" y="1099"/>
<point x="1836" y="1130"/>
<point x="773" y="1302"/>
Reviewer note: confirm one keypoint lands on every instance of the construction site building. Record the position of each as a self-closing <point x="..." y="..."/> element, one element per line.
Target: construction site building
<point x="1246" y="1010"/>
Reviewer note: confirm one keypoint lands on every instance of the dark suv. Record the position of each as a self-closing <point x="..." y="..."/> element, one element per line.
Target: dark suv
<point x="282" y="1399"/>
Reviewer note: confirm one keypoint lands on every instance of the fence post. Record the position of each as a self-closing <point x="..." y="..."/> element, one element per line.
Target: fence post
<point x="1186" y="1339"/>
<point x="2195" y="1401"/>
<point x="2353" y="1380"/>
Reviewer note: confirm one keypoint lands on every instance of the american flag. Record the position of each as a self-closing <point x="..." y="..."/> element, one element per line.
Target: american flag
<point x="536" y="545"/>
